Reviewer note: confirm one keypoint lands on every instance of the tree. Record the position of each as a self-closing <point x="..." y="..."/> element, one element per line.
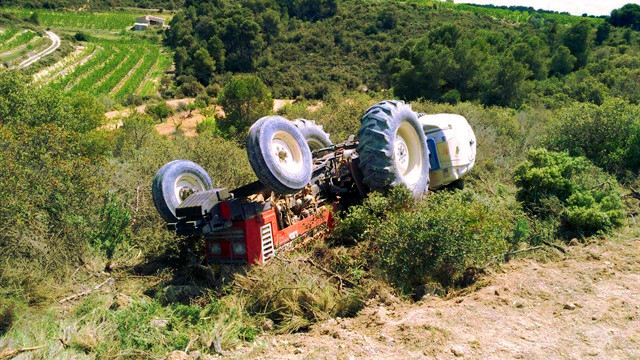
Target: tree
<point x="577" y="40"/>
<point x="507" y="82"/>
<point x="271" y="26"/>
<point x="311" y="10"/>
<point x="602" y="33"/>
<point x="532" y="53"/>
<point x="446" y="35"/>
<point x="422" y="70"/>
<point x="244" y="100"/>
<point x="203" y="66"/>
<point x="181" y="60"/>
<point x="34" y="19"/>
<point x="627" y="16"/>
<point x="243" y="42"/>
<point x="562" y="61"/>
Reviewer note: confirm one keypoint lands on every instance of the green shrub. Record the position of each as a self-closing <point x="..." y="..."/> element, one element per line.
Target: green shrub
<point x="437" y="242"/>
<point x="361" y="222"/>
<point x="112" y="230"/>
<point x="7" y="315"/>
<point x="207" y="126"/>
<point x="159" y="111"/>
<point x="582" y="196"/>
<point x="80" y="36"/>
<point x="606" y="134"/>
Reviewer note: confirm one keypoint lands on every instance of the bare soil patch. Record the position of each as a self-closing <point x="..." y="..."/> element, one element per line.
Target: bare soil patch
<point x="185" y="121"/>
<point x="584" y="306"/>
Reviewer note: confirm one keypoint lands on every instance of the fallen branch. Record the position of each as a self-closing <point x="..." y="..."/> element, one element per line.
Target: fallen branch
<point x="9" y="353"/>
<point x="563" y="250"/>
<point x="86" y="292"/>
<point x="522" y="250"/>
<point x="488" y="186"/>
<point x="331" y="273"/>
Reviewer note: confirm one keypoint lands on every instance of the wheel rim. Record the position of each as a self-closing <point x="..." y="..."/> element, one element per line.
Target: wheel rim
<point x="185" y="185"/>
<point x="408" y="154"/>
<point x="287" y="153"/>
<point x="315" y="144"/>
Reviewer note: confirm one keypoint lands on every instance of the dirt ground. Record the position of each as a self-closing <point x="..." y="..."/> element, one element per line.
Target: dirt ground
<point x="186" y="121"/>
<point x="586" y="305"/>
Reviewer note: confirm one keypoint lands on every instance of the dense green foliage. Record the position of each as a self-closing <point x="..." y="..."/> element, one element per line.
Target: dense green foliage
<point x="244" y="99"/>
<point x="51" y="156"/>
<point x="628" y="16"/>
<point x="93" y="5"/>
<point x="403" y="46"/>
<point x="608" y="135"/>
<point x="434" y="241"/>
<point x="582" y="196"/>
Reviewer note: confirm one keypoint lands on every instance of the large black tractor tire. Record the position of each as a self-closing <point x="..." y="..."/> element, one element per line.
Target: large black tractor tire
<point x="279" y="155"/>
<point x="393" y="148"/>
<point x="174" y="182"/>
<point x="315" y="136"/>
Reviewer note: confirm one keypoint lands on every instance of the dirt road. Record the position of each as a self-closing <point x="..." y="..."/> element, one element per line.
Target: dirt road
<point x="55" y="43"/>
<point x="584" y="306"/>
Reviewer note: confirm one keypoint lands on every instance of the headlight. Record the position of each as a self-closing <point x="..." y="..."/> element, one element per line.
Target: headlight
<point x="215" y="248"/>
<point x="239" y="248"/>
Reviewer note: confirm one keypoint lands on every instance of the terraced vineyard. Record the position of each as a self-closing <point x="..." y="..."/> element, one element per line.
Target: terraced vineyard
<point x="110" y="67"/>
<point x="17" y="43"/>
<point x="81" y="20"/>
<point x="113" y="62"/>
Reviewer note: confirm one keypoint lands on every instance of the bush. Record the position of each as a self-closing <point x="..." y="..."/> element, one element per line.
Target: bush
<point x="438" y="241"/>
<point x="361" y="222"/>
<point x="411" y="244"/>
<point x="80" y="36"/>
<point x="244" y="100"/>
<point x="207" y="125"/>
<point x="112" y="230"/>
<point x="582" y="196"/>
<point x="7" y="315"/>
<point x="606" y="135"/>
<point x="159" y="111"/>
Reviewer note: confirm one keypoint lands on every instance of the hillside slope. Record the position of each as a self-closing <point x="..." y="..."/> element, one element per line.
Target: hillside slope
<point x="586" y="305"/>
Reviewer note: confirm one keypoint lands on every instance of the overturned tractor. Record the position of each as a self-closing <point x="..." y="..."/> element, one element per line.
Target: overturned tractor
<point x="303" y="177"/>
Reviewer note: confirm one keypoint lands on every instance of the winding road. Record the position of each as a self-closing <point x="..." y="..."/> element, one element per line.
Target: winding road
<point x="55" y="43"/>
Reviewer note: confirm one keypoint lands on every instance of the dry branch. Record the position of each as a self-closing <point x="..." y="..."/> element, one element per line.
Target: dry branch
<point x="563" y="250"/>
<point x="309" y="261"/>
<point x="86" y="292"/>
<point x="9" y="353"/>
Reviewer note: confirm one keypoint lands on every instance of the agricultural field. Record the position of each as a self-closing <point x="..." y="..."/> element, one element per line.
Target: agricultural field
<point x="112" y="61"/>
<point x="17" y="44"/>
<point x="117" y="20"/>
<point x="113" y="68"/>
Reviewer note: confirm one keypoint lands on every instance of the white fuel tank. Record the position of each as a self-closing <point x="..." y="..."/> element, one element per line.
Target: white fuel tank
<point x="452" y="147"/>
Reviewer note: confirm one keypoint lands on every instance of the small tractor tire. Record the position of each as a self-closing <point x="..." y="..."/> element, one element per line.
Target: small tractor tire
<point x="393" y="149"/>
<point x="315" y="136"/>
<point x="279" y="155"/>
<point x="174" y="182"/>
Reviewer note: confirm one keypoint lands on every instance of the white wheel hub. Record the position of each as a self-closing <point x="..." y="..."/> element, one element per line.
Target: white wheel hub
<point x="286" y="151"/>
<point x="408" y="153"/>
<point x="402" y="154"/>
<point x="185" y="185"/>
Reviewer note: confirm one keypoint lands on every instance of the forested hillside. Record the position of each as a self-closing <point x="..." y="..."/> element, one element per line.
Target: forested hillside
<point x="427" y="50"/>
<point x="74" y="5"/>
<point x="89" y="270"/>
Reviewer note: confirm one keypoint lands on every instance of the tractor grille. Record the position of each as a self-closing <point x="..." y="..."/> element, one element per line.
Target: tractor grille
<point x="267" y="243"/>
